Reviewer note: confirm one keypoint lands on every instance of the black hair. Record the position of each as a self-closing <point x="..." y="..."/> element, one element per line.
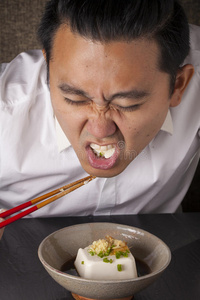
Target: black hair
<point x="110" y="20"/>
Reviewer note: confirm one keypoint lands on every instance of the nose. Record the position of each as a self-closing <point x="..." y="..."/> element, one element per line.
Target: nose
<point x="100" y="124"/>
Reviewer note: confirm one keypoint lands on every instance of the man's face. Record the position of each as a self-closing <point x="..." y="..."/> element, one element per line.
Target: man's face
<point x="107" y="96"/>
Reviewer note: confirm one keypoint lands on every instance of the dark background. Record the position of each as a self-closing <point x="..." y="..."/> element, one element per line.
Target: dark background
<point x="18" y="25"/>
<point x="19" y="20"/>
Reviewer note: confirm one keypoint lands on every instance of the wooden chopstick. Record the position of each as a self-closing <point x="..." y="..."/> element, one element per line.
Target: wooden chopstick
<point x="48" y="198"/>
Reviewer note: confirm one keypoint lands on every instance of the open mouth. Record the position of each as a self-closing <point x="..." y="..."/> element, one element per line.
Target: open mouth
<point x="103" y="151"/>
<point x="102" y="157"/>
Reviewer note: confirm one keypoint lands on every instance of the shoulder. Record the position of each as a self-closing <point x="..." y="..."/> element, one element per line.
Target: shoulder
<point x="22" y="77"/>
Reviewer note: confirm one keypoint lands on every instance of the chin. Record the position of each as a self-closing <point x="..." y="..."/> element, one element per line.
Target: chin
<point x="103" y="173"/>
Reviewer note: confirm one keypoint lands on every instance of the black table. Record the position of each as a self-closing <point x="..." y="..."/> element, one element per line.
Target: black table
<point x="22" y="277"/>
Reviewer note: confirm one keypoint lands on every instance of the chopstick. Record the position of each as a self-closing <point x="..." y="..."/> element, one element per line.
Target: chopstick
<point x="48" y="198"/>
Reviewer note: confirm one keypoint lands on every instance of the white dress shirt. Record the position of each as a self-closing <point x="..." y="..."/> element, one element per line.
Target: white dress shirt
<point x="36" y="157"/>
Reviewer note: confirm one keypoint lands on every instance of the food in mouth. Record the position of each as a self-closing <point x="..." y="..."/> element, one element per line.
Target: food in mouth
<point x="106" y="259"/>
<point x="103" y="151"/>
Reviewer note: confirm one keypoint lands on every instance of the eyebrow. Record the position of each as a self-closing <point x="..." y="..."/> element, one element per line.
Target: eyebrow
<point x="64" y="87"/>
<point x="132" y="94"/>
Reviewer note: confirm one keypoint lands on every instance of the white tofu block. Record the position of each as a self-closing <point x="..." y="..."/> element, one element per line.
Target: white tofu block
<point x="93" y="267"/>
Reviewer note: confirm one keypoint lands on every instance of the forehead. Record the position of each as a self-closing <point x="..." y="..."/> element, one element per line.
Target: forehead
<point x="77" y="59"/>
<point x="65" y="41"/>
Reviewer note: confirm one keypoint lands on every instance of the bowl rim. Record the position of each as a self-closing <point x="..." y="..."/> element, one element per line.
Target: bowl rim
<point x="74" y="277"/>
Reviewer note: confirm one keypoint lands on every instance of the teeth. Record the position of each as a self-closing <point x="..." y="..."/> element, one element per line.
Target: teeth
<point x="95" y="146"/>
<point x="109" y="153"/>
<point x="104" y="148"/>
<point x="104" y="151"/>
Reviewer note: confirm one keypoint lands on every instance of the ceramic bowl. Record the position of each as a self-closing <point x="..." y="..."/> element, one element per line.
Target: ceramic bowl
<point x="62" y="246"/>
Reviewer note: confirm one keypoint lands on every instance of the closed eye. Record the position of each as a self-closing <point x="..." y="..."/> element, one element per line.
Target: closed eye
<point x="77" y="102"/>
<point x="128" y="108"/>
<point x="86" y="102"/>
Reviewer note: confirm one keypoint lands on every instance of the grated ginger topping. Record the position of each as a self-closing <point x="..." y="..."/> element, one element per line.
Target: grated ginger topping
<point x="99" y="246"/>
<point x="107" y="245"/>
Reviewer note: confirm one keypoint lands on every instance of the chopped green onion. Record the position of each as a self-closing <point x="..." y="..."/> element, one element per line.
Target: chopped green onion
<point x="101" y="254"/>
<point x="106" y="260"/>
<point x="107" y="253"/>
<point x="121" y="253"/>
<point x="82" y="262"/>
<point x="117" y="255"/>
<point x="119" y="267"/>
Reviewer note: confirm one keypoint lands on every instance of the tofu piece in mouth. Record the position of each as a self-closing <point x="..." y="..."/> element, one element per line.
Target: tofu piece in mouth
<point x="103" y="151"/>
<point x="102" y="261"/>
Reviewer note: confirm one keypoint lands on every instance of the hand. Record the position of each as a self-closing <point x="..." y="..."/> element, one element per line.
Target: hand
<point x="1" y="229"/>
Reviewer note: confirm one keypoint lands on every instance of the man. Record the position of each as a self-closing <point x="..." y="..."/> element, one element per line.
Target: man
<point x="125" y="96"/>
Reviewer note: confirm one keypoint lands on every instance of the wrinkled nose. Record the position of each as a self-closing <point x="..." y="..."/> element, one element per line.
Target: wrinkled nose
<point x="100" y="123"/>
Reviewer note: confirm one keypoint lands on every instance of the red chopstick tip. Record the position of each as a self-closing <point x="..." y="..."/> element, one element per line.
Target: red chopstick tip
<point x="18" y="216"/>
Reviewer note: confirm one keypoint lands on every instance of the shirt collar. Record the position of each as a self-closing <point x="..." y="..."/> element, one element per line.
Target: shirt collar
<point x="168" y="124"/>
<point x="62" y="140"/>
<point x="64" y="143"/>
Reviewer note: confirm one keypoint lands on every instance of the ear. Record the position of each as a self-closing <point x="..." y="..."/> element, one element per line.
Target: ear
<point x="183" y="77"/>
<point x="44" y="54"/>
